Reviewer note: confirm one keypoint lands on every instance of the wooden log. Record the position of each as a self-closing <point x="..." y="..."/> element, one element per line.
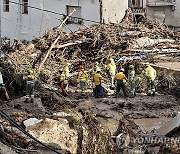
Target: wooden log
<point x="54" y="43"/>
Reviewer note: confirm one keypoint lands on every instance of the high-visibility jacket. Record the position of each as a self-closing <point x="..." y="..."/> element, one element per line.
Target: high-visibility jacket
<point x="112" y="67"/>
<point x="151" y="73"/>
<point x="131" y="75"/>
<point x="120" y="76"/>
<point x="66" y="71"/>
<point x="97" y="79"/>
<point x="63" y="78"/>
<point x="94" y="70"/>
<point x="30" y="77"/>
<point x="82" y="76"/>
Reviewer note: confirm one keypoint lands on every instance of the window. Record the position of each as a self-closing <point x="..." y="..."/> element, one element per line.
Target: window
<point x="6" y="5"/>
<point x="24" y="6"/>
<point x="76" y="16"/>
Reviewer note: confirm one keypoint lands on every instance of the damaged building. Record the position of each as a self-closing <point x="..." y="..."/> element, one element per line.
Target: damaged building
<point x="31" y="18"/>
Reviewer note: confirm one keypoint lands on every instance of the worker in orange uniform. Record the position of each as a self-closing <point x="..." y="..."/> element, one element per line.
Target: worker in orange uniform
<point x="63" y="82"/>
<point x="112" y="70"/>
<point x="99" y="91"/>
<point x="151" y="76"/>
<point x="120" y="83"/>
<point x="82" y="79"/>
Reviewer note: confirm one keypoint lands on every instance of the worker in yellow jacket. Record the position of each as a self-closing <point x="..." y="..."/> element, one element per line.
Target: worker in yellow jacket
<point x="95" y="68"/>
<point x="66" y="71"/>
<point x="151" y="74"/>
<point x="131" y="78"/>
<point x="82" y="79"/>
<point x="112" y="70"/>
<point x="63" y="82"/>
<point x="30" y="84"/>
<point x="120" y="83"/>
<point x="99" y="91"/>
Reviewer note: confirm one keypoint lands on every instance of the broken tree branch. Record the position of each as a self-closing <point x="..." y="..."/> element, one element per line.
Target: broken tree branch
<point x="54" y="43"/>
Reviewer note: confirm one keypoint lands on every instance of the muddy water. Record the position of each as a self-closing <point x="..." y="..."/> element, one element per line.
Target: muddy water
<point x="104" y="105"/>
<point x="148" y="112"/>
<point x="148" y="124"/>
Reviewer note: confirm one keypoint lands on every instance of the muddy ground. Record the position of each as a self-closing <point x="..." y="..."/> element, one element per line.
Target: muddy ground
<point x="139" y="115"/>
<point x="147" y="112"/>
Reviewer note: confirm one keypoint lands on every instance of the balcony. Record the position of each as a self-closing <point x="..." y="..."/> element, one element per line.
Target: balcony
<point x="162" y="3"/>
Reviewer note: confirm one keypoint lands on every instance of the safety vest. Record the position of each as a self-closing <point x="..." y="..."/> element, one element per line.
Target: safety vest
<point x="66" y="71"/>
<point x="120" y="76"/>
<point x="112" y="67"/>
<point x="97" y="79"/>
<point x="131" y="75"/>
<point x="82" y="76"/>
<point x="151" y="73"/>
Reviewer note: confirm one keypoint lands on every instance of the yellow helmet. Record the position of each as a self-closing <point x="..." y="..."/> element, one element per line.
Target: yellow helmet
<point x="96" y="63"/>
<point x="68" y="64"/>
<point x="147" y="64"/>
<point x="30" y="71"/>
<point x="111" y="59"/>
<point x="131" y="66"/>
<point x="98" y="69"/>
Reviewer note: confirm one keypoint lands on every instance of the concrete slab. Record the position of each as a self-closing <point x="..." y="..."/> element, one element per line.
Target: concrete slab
<point x="170" y="126"/>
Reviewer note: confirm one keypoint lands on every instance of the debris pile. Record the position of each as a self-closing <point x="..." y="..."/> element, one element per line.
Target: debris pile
<point x="85" y="46"/>
<point x="46" y="55"/>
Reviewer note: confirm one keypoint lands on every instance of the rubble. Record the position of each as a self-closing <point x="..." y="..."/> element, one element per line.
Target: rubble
<point x="80" y="126"/>
<point x="55" y="132"/>
<point x="95" y="43"/>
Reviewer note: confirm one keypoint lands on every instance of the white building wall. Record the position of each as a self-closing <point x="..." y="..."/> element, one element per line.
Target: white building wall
<point x="172" y="17"/>
<point x="162" y="13"/>
<point x="176" y="18"/>
<point x="113" y="10"/>
<point x="27" y="26"/>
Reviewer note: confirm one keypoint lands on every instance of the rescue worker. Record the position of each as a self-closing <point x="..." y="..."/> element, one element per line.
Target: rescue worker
<point x="3" y="88"/>
<point x="150" y="73"/>
<point x="30" y="83"/>
<point x="131" y="78"/>
<point x="112" y="70"/>
<point x="95" y="68"/>
<point x="82" y="78"/>
<point x="63" y="82"/>
<point x="99" y="91"/>
<point x="67" y="72"/>
<point x="120" y="83"/>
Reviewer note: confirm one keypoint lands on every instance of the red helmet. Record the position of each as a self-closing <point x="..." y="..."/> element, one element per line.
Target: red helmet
<point x="81" y="68"/>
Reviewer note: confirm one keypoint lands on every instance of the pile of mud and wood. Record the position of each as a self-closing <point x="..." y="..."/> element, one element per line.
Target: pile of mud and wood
<point x="46" y="55"/>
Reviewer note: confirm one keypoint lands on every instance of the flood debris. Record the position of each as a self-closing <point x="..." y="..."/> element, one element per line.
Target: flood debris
<point x="80" y="126"/>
